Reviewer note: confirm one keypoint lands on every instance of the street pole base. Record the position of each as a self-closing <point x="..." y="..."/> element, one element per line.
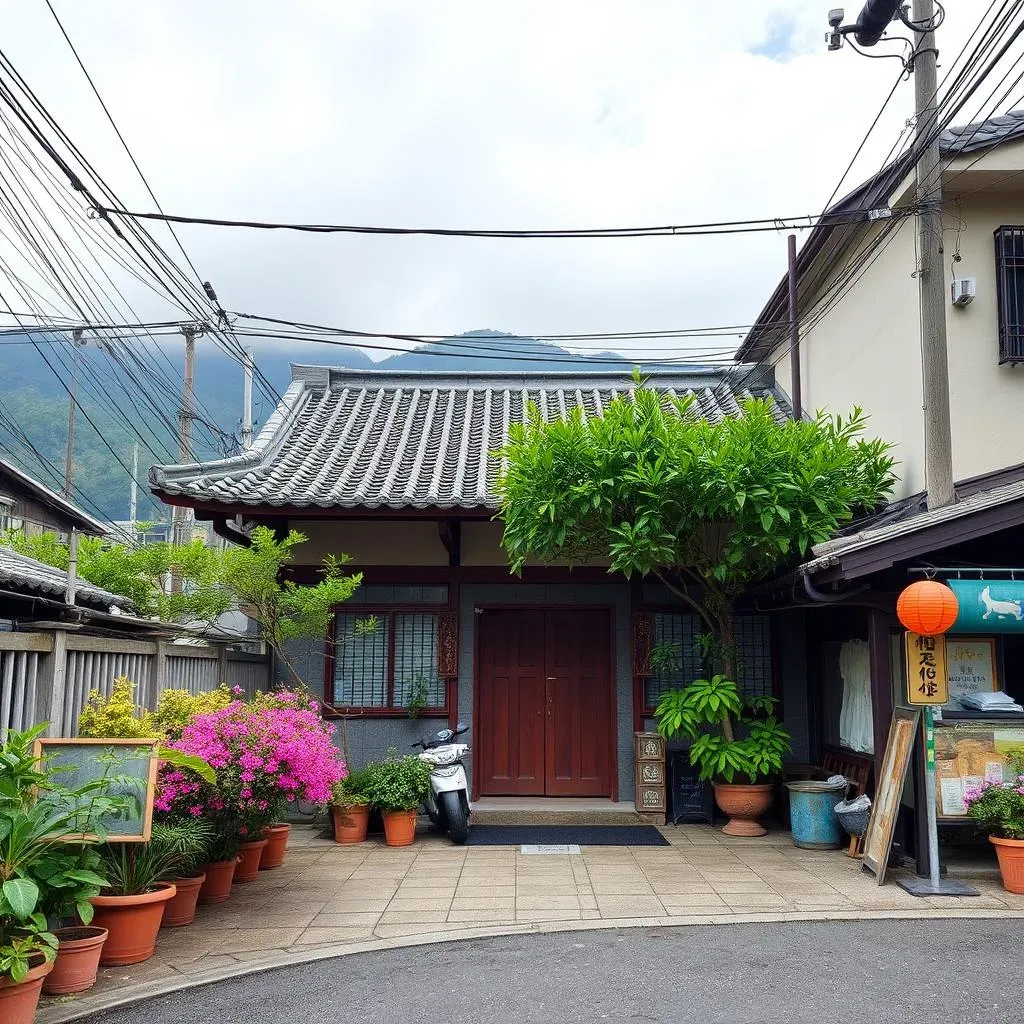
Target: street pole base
<point x="945" y="887"/>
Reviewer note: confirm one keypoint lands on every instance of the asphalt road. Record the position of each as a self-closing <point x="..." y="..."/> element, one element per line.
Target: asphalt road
<point x="949" y="972"/>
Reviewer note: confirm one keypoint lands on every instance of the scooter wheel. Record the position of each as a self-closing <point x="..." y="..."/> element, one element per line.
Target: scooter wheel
<point x="458" y="820"/>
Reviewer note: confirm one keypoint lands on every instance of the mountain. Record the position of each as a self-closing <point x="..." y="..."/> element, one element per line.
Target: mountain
<point x="34" y="401"/>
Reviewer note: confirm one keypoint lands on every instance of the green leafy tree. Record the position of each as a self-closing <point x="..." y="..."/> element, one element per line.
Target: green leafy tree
<point x="706" y="508"/>
<point x="141" y="574"/>
<point x="284" y="610"/>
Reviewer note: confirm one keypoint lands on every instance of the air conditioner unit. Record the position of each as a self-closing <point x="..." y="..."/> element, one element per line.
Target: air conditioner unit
<point x="963" y="290"/>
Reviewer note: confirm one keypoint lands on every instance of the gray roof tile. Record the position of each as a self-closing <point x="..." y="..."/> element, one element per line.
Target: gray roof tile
<point x="351" y="438"/>
<point x="24" y="574"/>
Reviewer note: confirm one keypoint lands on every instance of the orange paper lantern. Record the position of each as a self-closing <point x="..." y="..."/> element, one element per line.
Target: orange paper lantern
<point x="927" y="607"/>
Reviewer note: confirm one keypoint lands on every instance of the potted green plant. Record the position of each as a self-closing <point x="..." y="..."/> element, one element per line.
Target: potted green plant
<point x="998" y="808"/>
<point x="729" y="737"/>
<point x="188" y="838"/>
<point x="27" y="952"/>
<point x="397" y="786"/>
<point x="220" y="858"/>
<point x="350" y="807"/>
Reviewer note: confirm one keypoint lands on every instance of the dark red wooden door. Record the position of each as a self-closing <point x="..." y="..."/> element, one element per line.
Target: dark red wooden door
<point x="545" y="703"/>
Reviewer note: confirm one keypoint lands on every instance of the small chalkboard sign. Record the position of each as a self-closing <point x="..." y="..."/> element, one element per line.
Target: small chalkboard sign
<point x="134" y="760"/>
<point x="692" y="799"/>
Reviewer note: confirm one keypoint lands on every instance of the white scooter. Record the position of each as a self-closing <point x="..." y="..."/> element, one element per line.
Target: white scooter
<point x="447" y="802"/>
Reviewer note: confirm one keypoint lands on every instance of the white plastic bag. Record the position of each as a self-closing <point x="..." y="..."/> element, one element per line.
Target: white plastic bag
<point x="858" y="803"/>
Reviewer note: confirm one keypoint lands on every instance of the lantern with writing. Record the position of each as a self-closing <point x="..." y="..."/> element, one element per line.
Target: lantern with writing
<point x="927" y="608"/>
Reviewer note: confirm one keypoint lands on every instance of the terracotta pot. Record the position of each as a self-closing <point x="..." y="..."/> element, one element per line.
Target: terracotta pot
<point x="277" y="842"/>
<point x="1011" y="862"/>
<point x="219" y="876"/>
<point x="18" y="1002"/>
<point x="78" y="960"/>
<point x="133" y="923"/>
<point x="744" y="804"/>
<point x="248" y="867"/>
<point x="182" y="909"/>
<point x="399" y="827"/>
<point x="350" y="823"/>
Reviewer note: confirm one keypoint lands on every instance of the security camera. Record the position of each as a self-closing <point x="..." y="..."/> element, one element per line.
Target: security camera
<point x="835" y="16"/>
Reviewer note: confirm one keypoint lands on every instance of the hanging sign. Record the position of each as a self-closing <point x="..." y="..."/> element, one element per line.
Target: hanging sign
<point x="989" y="606"/>
<point x="927" y="682"/>
<point x="971" y="665"/>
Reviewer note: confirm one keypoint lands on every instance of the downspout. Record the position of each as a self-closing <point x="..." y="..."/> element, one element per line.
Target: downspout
<point x="820" y="597"/>
<point x="226" y="529"/>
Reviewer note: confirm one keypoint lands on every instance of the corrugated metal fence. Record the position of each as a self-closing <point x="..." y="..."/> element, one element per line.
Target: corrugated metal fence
<point x="48" y="676"/>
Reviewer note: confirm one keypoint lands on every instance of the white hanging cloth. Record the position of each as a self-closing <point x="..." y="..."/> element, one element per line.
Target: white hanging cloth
<point x="855" y="726"/>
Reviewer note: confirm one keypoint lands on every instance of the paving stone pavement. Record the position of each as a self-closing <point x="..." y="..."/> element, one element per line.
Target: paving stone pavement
<point x="330" y="895"/>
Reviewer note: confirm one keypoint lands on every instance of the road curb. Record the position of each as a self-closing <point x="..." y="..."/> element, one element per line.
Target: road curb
<point x="90" y="1005"/>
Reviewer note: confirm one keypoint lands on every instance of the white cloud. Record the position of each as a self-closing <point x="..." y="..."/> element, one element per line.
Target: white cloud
<point x="518" y="114"/>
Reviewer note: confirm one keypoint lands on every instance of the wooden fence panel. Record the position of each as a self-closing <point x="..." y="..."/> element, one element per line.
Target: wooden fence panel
<point x="19" y="678"/>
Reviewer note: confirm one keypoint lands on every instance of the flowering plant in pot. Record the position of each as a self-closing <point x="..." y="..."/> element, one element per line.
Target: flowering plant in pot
<point x="998" y="808"/>
<point x="397" y="787"/>
<point x="730" y="737"/>
<point x="350" y="807"/>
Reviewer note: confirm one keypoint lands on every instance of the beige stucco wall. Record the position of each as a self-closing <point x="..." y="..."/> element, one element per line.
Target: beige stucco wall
<point x="369" y="543"/>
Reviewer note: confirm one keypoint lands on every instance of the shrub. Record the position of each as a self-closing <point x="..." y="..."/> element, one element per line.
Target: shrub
<point x="116" y="716"/>
<point x="176" y="708"/>
<point x="398" y="783"/>
<point x="352" y="790"/>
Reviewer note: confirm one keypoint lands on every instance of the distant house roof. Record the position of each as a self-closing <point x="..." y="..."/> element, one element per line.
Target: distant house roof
<point x="368" y="439"/>
<point x="771" y="325"/>
<point x="45" y="496"/>
<point x="26" y="576"/>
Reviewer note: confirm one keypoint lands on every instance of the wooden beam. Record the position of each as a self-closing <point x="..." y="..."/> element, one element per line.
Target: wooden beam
<point x="450" y="532"/>
<point x="880" y="667"/>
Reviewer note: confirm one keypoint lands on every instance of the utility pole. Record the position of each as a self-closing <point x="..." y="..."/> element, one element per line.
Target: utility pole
<point x="247" y="400"/>
<point x="133" y="499"/>
<point x="796" y="385"/>
<point x="71" y="587"/>
<point x="181" y="517"/>
<point x="869" y="28"/>
<point x="69" y="460"/>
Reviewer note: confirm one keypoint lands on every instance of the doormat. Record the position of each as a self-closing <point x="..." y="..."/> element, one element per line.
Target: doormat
<point x="565" y="835"/>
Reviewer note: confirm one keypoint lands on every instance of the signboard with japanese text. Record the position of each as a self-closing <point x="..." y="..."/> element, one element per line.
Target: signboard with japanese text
<point x="970" y="666"/>
<point x="926" y="669"/>
<point x="988" y="606"/>
<point x="969" y="753"/>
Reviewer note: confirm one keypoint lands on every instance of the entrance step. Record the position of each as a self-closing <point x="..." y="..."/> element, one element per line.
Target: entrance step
<point x="535" y="810"/>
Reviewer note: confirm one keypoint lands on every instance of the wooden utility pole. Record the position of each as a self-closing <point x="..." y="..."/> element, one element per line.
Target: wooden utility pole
<point x="931" y="278"/>
<point x="69" y="460"/>
<point x="247" y="368"/>
<point x="133" y="494"/>
<point x="181" y="517"/>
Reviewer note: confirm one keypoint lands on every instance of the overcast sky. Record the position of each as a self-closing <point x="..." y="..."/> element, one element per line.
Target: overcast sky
<point x="516" y="115"/>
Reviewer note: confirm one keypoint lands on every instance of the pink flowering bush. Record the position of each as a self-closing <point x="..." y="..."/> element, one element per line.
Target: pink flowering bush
<point x="998" y="807"/>
<point x="263" y="753"/>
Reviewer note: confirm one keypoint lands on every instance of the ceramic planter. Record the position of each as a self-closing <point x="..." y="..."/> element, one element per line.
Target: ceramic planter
<point x="18" y="1002"/>
<point x="78" y="960"/>
<point x="182" y="909"/>
<point x="350" y="823"/>
<point x="277" y="842"/>
<point x="399" y="827"/>
<point x="133" y="923"/>
<point x="1011" y="862"/>
<point x="248" y="867"/>
<point x="744" y="805"/>
<point x="219" y="876"/>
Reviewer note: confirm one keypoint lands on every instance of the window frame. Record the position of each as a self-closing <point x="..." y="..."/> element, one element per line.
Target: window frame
<point x="388" y="710"/>
<point x="775" y="673"/>
<point x="1011" y="350"/>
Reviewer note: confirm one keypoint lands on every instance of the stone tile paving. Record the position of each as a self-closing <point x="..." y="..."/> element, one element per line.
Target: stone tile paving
<point x="330" y="895"/>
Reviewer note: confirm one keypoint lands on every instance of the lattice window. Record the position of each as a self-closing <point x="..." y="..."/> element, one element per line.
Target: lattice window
<point x="753" y="652"/>
<point x="1010" y="292"/>
<point x="393" y="667"/>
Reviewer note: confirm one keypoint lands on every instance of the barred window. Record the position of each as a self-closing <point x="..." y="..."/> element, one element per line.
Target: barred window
<point x="679" y="629"/>
<point x="1010" y="292"/>
<point x="393" y="666"/>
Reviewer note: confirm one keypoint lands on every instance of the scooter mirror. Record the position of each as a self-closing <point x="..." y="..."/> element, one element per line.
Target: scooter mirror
<point x="445" y="735"/>
<point x="460" y="728"/>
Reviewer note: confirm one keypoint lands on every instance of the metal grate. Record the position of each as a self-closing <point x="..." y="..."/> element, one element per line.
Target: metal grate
<point x="416" y="678"/>
<point x="753" y="653"/>
<point x="361" y="663"/>
<point x="1010" y="292"/>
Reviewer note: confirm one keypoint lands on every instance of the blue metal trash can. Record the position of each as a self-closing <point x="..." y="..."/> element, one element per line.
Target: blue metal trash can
<point x="812" y="816"/>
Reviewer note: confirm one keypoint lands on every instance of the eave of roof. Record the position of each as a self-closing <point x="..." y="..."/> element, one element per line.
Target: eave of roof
<point x="31" y="578"/>
<point x="82" y="520"/>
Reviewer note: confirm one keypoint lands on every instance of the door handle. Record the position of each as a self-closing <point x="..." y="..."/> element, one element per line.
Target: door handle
<point x="552" y="679"/>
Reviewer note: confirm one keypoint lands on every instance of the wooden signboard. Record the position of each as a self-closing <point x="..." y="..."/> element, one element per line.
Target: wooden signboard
<point x="889" y="789"/>
<point x="927" y="682"/>
<point x="87" y="760"/>
<point x="970" y="666"/>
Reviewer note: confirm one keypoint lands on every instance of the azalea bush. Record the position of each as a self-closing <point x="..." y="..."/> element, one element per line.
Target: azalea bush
<point x="998" y="807"/>
<point x="261" y="755"/>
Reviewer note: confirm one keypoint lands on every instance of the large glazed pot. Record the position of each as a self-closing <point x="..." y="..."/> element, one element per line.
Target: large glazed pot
<point x="133" y="923"/>
<point x="743" y="804"/>
<point x="277" y="842"/>
<point x="18" y="1000"/>
<point x="1011" y="862"/>
<point x="78" y="960"/>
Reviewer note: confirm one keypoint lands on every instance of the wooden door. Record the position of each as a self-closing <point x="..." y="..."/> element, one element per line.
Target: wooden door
<point x="545" y="703"/>
<point x="579" y="704"/>
<point x="511" y="729"/>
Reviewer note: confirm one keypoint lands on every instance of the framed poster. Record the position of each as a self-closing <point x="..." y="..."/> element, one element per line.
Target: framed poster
<point x="969" y="752"/>
<point x="133" y="761"/>
<point x="970" y="667"/>
<point x="889" y="789"/>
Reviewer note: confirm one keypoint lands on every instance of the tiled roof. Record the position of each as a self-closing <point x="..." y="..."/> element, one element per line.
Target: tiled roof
<point x="364" y="438"/>
<point x="46" y="496"/>
<point x="25" y="575"/>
